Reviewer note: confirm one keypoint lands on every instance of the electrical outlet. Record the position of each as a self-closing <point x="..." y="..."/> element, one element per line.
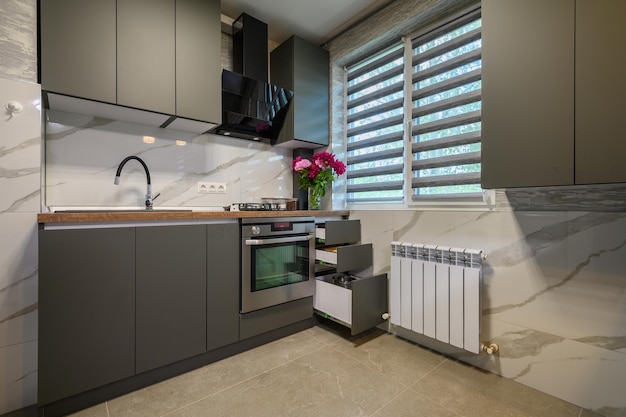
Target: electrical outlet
<point x="211" y="187"/>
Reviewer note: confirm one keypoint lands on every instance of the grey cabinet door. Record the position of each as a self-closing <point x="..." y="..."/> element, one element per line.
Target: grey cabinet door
<point x="600" y="91"/>
<point x="304" y="68"/>
<point x="527" y="93"/>
<point x="78" y="48"/>
<point x="198" y="63"/>
<point x="146" y="56"/>
<point x="222" y="284"/>
<point x="86" y="310"/>
<point x="171" y="294"/>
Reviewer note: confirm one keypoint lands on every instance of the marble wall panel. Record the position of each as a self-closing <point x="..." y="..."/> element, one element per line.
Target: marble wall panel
<point x="20" y="159"/>
<point x="553" y="297"/>
<point x="83" y="153"/>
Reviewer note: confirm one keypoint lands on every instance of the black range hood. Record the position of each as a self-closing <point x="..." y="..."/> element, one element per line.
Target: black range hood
<point x="251" y="107"/>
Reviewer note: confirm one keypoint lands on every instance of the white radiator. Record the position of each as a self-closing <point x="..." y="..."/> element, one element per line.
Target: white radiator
<point x="436" y="291"/>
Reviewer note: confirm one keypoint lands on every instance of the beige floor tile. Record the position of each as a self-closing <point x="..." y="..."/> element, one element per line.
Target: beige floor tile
<point x="411" y="404"/>
<point x="476" y="393"/>
<point x="177" y="392"/>
<point x="326" y="372"/>
<point x="398" y="359"/>
<point x="323" y="383"/>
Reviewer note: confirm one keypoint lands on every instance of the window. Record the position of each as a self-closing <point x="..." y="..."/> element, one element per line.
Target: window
<point x="376" y="127"/>
<point x="439" y="110"/>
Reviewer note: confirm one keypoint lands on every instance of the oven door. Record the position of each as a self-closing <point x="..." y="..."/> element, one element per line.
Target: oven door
<point x="276" y="270"/>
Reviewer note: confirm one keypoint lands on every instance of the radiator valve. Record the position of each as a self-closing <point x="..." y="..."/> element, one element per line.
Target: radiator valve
<point x="386" y="316"/>
<point x="491" y="348"/>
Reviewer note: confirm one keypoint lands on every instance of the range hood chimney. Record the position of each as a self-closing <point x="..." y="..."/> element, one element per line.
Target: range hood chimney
<point x="250" y="54"/>
<point x="251" y="107"/>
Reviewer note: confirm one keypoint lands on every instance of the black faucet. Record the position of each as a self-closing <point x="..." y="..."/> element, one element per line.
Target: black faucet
<point x="149" y="197"/>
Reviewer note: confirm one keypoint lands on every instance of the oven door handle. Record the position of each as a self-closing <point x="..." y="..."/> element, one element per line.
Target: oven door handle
<point x="257" y="242"/>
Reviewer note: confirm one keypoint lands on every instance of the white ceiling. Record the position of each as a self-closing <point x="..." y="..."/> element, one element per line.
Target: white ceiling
<point x="314" y="20"/>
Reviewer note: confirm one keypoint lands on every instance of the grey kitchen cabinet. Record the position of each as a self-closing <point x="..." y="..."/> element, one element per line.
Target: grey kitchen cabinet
<point x="155" y="55"/>
<point x="86" y="310"/>
<point x="550" y="91"/>
<point x="600" y="89"/>
<point x="303" y="68"/>
<point x="527" y="93"/>
<point x="78" y="48"/>
<point x="198" y="63"/>
<point x="146" y="54"/>
<point x="170" y="294"/>
<point x="222" y="308"/>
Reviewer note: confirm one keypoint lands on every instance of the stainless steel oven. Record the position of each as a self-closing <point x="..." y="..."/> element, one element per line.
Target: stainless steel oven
<point x="277" y="261"/>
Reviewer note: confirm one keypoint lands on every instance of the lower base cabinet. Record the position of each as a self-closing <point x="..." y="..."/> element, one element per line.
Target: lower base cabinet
<point x="222" y="295"/>
<point x="120" y="302"/>
<point x="171" y="282"/>
<point x="86" y="310"/>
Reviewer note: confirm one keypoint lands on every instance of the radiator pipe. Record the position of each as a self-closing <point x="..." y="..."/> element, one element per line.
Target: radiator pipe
<point x="490" y="348"/>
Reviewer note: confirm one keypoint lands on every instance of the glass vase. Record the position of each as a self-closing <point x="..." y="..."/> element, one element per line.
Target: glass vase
<point x="315" y="200"/>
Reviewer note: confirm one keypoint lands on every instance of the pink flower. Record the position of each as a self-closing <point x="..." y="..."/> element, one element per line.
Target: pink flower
<point x="313" y="171"/>
<point x="339" y="167"/>
<point x="299" y="164"/>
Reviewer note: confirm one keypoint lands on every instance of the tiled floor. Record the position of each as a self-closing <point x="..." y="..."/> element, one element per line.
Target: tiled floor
<point x="324" y="372"/>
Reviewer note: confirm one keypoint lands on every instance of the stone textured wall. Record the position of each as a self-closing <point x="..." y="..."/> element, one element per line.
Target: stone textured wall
<point x="18" y="40"/>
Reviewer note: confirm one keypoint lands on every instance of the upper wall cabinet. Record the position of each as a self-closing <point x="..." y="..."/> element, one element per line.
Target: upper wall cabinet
<point x="155" y="55"/>
<point x="303" y="68"/>
<point x="198" y="62"/>
<point x="146" y="54"/>
<point x="550" y="91"/>
<point x="78" y="48"/>
<point x="600" y="91"/>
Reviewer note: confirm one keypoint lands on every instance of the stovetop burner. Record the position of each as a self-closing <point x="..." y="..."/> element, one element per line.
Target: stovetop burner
<point x="257" y="207"/>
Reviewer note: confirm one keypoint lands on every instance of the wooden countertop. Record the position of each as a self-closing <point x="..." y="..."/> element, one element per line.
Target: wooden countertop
<point x="100" y="216"/>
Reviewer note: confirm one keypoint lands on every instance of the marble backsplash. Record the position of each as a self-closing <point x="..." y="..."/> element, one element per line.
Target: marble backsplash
<point x="554" y="295"/>
<point x="20" y="159"/>
<point x="82" y="155"/>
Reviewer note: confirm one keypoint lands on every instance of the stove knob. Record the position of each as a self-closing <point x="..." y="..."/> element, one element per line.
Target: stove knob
<point x="256" y="230"/>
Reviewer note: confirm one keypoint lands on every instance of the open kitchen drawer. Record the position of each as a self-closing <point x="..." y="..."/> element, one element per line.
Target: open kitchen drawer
<point x="338" y="232"/>
<point x="355" y="302"/>
<point x="337" y="248"/>
<point x="354" y="258"/>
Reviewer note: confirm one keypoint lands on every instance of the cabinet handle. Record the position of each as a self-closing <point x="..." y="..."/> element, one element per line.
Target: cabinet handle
<point x="257" y="242"/>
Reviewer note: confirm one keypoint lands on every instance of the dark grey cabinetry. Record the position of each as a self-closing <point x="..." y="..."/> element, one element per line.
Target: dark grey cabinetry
<point x="303" y="67"/>
<point x="171" y="294"/>
<point x="222" y="263"/>
<point x="198" y="66"/>
<point x="86" y="310"/>
<point x="551" y="85"/>
<point x="155" y="55"/>
<point x="78" y="48"/>
<point x="118" y="302"/>
<point x="600" y="91"/>
<point x="527" y="93"/>
<point x="146" y="54"/>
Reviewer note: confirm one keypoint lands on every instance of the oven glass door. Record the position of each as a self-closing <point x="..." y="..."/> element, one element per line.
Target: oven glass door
<point x="276" y="270"/>
<point x="278" y="264"/>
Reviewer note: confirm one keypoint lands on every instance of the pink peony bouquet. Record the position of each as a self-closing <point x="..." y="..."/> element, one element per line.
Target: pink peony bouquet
<point x="317" y="173"/>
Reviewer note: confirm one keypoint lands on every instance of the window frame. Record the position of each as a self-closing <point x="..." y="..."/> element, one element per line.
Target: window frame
<point x="483" y="200"/>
